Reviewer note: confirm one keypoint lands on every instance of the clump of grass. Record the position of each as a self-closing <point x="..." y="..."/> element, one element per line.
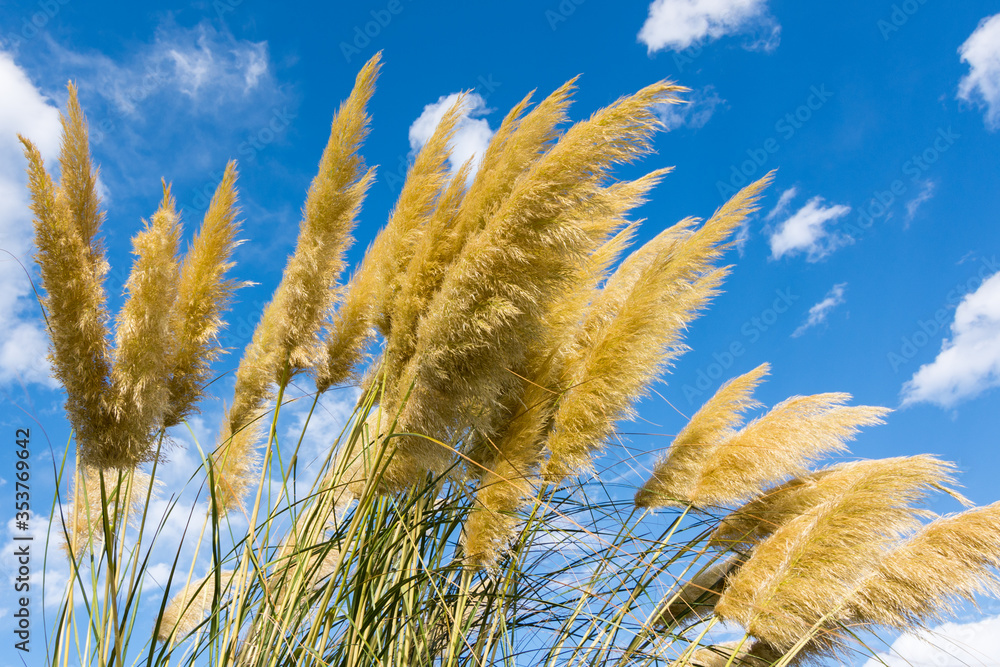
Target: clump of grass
<point x="460" y="517"/>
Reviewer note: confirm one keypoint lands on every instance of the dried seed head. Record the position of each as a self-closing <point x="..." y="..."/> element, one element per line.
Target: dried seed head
<point x="675" y="475"/>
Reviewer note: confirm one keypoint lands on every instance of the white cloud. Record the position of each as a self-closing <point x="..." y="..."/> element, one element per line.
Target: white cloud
<point x="193" y="96"/>
<point x="211" y="69"/>
<point x="806" y="231"/>
<point x="783" y="201"/>
<point x="694" y="113"/>
<point x="982" y="84"/>
<point x="969" y="362"/>
<point x="23" y="109"/>
<point x="925" y="195"/>
<point x="472" y="134"/>
<point x="819" y="312"/>
<point x="975" y="644"/>
<point x="677" y="24"/>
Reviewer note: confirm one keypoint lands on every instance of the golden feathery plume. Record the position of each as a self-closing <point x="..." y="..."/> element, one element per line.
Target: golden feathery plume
<point x="125" y="495"/>
<point x="520" y="141"/>
<point x="475" y="336"/>
<point x="188" y="608"/>
<point x="203" y="294"/>
<point x="305" y="297"/>
<point x="782" y="443"/>
<point x="349" y="331"/>
<point x="639" y="333"/>
<point x="430" y="258"/>
<point x="145" y="339"/>
<point x="287" y="337"/>
<point x="371" y="294"/>
<point x="235" y="461"/>
<point x="675" y="474"/>
<point x="72" y="267"/>
<point x="760" y="517"/>
<point x="508" y="462"/>
<point x="78" y="180"/>
<point x="425" y="182"/>
<point x="813" y="562"/>
<point x="949" y="560"/>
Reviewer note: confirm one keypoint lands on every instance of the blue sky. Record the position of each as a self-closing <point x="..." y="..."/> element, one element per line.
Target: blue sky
<point x="873" y="266"/>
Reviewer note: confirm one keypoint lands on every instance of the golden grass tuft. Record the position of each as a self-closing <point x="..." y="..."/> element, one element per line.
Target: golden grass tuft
<point x="675" y="475"/>
<point x="636" y="331"/>
<point x="800" y="577"/>
<point x="785" y="442"/>
<point x="203" y="295"/>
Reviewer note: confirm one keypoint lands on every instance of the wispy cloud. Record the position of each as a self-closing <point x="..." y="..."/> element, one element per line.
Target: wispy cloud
<point x="196" y="96"/>
<point x="695" y="113"/>
<point x="969" y="362"/>
<point x="924" y="196"/>
<point x="820" y="311"/>
<point x="947" y="645"/>
<point x="24" y="109"/>
<point x="806" y="231"/>
<point x="981" y="85"/>
<point x="472" y="134"/>
<point x="783" y="201"/>
<point x="677" y="24"/>
<point x="200" y="67"/>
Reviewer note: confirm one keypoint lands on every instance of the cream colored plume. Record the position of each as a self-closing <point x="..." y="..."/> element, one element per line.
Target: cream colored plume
<point x="287" y="338"/>
<point x="635" y="331"/>
<point x="72" y="267"/>
<point x="145" y="339"/>
<point x="810" y="565"/>
<point x="474" y="339"/>
<point x="189" y="608"/>
<point x="675" y="475"/>
<point x="949" y="561"/>
<point x="783" y="443"/>
<point x="203" y="294"/>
